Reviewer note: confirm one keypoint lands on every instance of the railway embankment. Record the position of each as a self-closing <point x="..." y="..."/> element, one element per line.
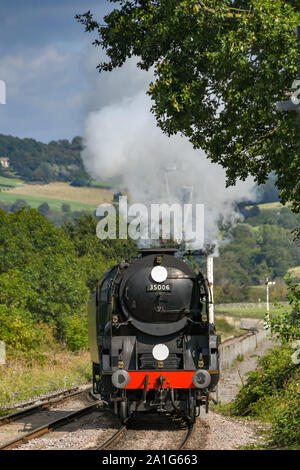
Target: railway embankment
<point x="219" y="432"/>
<point x="237" y="347"/>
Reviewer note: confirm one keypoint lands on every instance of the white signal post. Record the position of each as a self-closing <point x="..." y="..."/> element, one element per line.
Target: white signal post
<point x="210" y="278"/>
<point x="268" y="283"/>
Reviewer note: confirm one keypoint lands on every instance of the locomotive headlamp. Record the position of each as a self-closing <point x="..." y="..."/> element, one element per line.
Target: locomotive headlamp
<point x="160" y="352"/>
<point x="201" y="378"/>
<point x="159" y="274"/>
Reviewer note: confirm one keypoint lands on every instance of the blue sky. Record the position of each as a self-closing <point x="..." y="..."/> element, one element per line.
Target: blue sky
<point x="48" y="65"/>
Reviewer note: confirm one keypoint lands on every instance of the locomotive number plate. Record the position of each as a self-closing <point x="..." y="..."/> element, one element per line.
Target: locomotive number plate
<point x="159" y="287"/>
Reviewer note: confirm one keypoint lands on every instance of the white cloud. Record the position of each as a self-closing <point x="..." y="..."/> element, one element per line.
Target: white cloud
<point x="34" y="66"/>
<point x="44" y="93"/>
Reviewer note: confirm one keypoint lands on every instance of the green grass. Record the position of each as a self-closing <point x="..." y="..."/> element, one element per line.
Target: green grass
<point x="241" y="312"/>
<point x="22" y="381"/>
<point x="35" y="201"/>
<point x="247" y="312"/>
<point x="6" y="183"/>
<point x="101" y="184"/>
<point x="225" y="329"/>
<point x="270" y="206"/>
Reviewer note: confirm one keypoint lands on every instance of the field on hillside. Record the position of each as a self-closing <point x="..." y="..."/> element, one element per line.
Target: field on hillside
<point x="6" y="183"/>
<point x="79" y="198"/>
<point x="249" y="310"/>
<point x="35" y="202"/>
<point x="65" y="192"/>
<point x="270" y="206"/>
<point x="295" y="272"/>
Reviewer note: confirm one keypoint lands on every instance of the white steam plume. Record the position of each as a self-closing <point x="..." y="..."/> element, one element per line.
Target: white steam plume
<point x="121" y="138"/>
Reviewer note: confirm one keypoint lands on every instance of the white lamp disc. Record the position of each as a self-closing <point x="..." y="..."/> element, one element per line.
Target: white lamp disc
<point x="160" y="352"/>
<point x="159" y="274"/>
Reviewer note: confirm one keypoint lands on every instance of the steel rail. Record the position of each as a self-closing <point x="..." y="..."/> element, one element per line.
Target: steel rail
<point x="47" y="397"/>
<point x="50" y="426"/>
<point x="112" y="439"/>
<point x="41" y="406"/>
<point x="123" y="428"/>
<point x="187" y="436"/>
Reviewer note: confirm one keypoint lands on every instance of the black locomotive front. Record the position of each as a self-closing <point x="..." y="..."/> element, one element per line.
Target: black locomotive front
<point x="152" y="345"/>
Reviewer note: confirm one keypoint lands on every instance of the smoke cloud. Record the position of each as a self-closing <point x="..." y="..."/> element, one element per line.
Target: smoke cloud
<point x="121" y="139"/>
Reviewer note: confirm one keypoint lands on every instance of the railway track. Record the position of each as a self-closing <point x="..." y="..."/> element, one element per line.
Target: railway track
<point x="35" y="408"/>
<point x="44" y="398"/>
<point x="48" y="427"/>
<point x="114" y="438"/>
<point x="123" y="429"/>
<point x="187" y="437"/>
<point x="53" y="425"/>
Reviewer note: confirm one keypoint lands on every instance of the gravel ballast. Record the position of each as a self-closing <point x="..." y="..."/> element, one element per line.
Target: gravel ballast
<point x="213" y="432"/>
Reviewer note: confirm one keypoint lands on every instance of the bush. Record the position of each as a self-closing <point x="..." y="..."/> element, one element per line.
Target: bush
<point x="272" y="394"/>
<point x="231" y="293"/>
<point x="66" y="207"/>
<point x="286" y="324"/>
<point x="44" y="208"/>
<point x="18" y="204"/>
<point x="269" y="379"/>
<point x="286" y="425"/>
<point x="21" y="333"/>
<point x="76" y="332"/>
<point x="81" y="179"/>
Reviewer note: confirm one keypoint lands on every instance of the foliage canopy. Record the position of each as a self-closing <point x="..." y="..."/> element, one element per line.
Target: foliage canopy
<point x="219" y="68"/>
<point x="36" y="161"/>
<point x="45" y="275"/>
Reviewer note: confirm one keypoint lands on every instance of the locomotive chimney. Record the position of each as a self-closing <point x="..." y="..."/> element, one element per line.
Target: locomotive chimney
<point x="210" y="277"/>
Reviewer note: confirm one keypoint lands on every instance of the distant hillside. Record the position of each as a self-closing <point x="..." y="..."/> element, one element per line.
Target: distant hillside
<point x="268" y="192"/>
<point x="36" y="161"/>
<point x="261" y="246"/>
<point x="267" y="197"/>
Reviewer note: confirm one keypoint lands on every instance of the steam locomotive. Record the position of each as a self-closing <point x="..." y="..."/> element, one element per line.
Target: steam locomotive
<point x="152" y="346"/>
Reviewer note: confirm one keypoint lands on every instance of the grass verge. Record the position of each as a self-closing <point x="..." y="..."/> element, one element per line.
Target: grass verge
<point x="225" y="329"/>
<point x="271" y="395"/>
<point x="22" y="380"/>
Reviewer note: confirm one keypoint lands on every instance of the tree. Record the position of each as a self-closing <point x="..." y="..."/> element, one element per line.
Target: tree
<point x="36" y="161"/>
<point x="255" y="252"/>
<point x="66" y="207"/>
<point x="18" y="204"/>
<point x="40" y="273"/>
<point x="219" y="68"/>
<point x="81" y="179"/>
<point x="286" y="323"/>
<point x="44" y="208"/>
<point x="96" y="255"/>
<point x="45" y="273"/>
